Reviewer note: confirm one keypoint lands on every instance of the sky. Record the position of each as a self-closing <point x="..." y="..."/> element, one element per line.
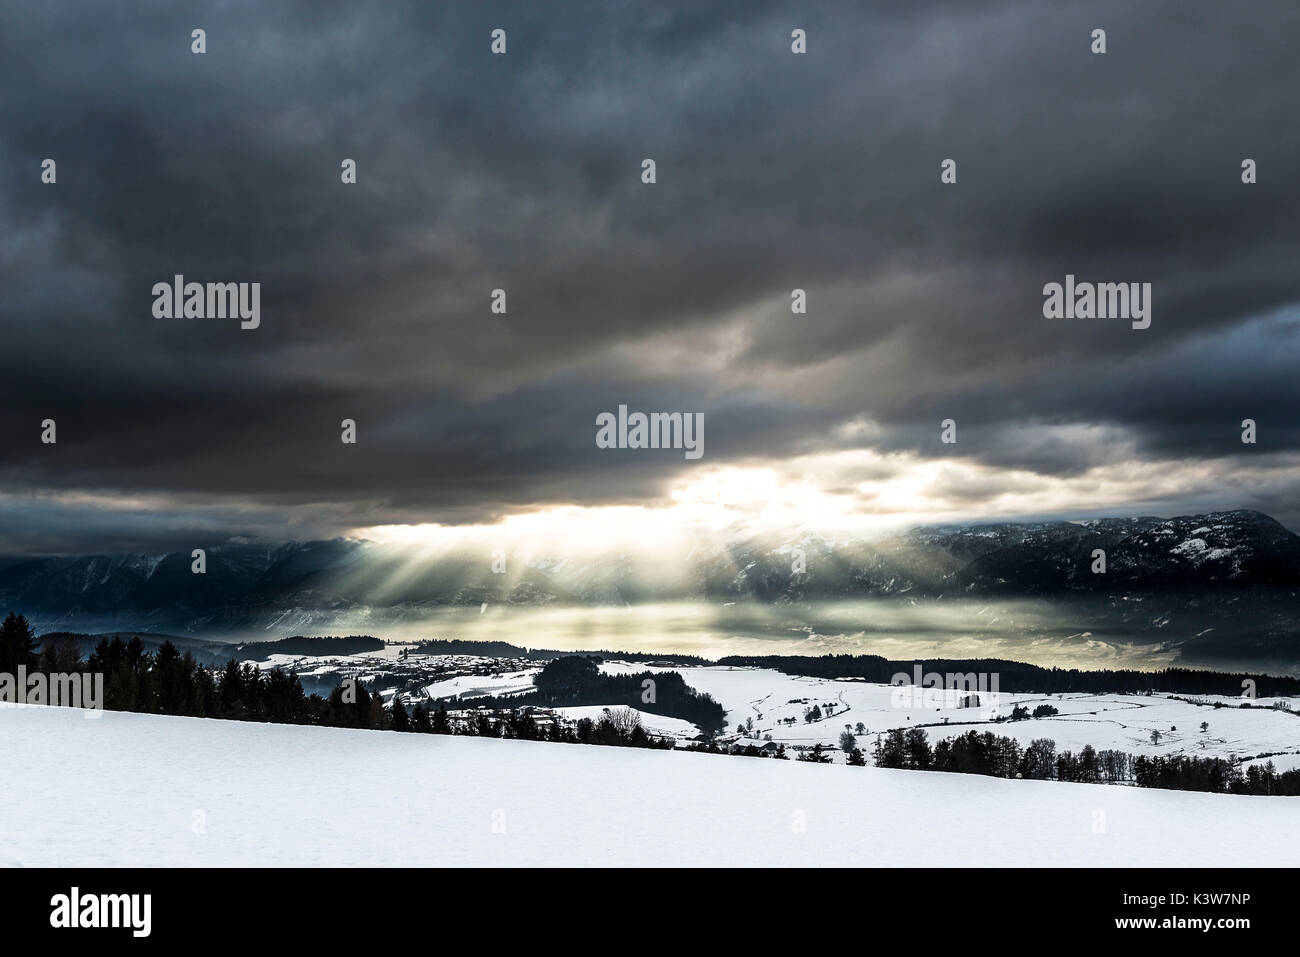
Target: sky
<point x="523" y="171"/>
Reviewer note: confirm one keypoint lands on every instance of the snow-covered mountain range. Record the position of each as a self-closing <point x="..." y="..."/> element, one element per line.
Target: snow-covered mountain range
<point x="1238" y="572"/>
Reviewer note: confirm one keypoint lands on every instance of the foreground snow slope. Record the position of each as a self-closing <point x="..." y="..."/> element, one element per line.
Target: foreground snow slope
<point x="126" y="789"/>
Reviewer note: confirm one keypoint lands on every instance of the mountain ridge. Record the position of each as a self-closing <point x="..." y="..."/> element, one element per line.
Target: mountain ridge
<point x="295" y="586"/>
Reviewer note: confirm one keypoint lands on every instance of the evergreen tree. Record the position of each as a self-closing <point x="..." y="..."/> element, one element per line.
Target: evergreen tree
<point x="17" y="645"/>
<point x="892" y="753"/>
<point x="232" y="690"/>
<point x="172" y="679"/>
<point x="203" y="692"/>
<point x="917" y="747"/>
<point x="441" y="723"/>
<point x="339" y="713"/>
<point x="1089" y="765"/>
<point x="400" y="720"/>
<point x="815" y="755"/>
<point x="378" y="716"/>
<point x="521" y="726"/>
<point x="420" y="722"/>
<point x="60" y="656"/>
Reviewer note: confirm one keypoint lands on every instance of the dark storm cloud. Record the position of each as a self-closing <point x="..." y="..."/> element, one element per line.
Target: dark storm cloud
<point x="522" y="172"/>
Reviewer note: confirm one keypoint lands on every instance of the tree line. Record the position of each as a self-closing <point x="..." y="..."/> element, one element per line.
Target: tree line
<point x="576" y="680"/>
<point x="168" y="682"/>
<point x="311" y="646"/>
<point x="618" y="727"/>
<point x="1019" y="677"/>
<point x="1004" y="757"/>
<point x="503" y="649"/>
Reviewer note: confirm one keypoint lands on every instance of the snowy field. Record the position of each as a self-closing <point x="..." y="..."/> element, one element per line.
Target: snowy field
<point x="1122" y="722"/>
<point x="129" y="789"/>
<point x="777" y="704"/>
<point x="474" y="686"/>
<point x="658" y="724"/>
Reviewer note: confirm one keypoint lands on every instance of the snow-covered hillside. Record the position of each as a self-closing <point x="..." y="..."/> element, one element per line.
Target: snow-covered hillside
<point x="1119" y="721"/>
<point x="129" y="789"/>
<point x="777" y="703"/>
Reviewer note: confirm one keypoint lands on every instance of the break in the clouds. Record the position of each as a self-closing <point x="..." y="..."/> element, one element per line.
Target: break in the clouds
<point x="775" y="171"/>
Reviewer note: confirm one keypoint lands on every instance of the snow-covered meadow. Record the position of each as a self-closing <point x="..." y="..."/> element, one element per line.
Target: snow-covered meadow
<point x="129" y="789"/>
<point x="777" y="703"/>
<point x="1122" y="722"/>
